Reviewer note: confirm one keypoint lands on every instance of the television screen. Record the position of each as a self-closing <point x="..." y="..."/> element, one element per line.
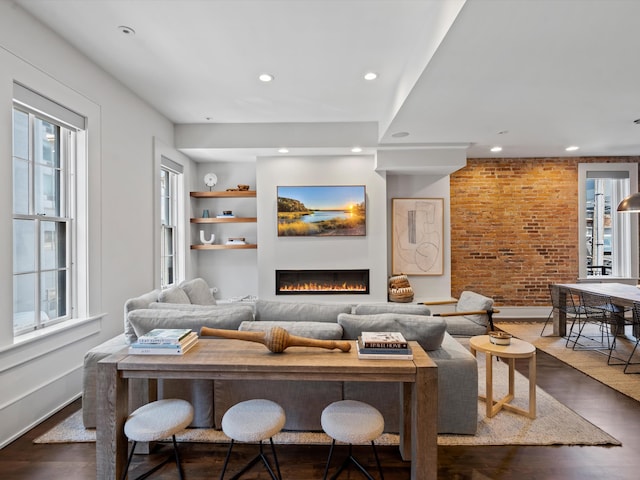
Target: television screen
<point x="321" y="211"/>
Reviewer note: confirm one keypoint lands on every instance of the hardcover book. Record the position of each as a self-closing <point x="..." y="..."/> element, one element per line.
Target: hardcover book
<point x="164" y="335"/>
<point x="379" y="350"/>
<point x="164" y="348"/>
<point x="384" y="340"/>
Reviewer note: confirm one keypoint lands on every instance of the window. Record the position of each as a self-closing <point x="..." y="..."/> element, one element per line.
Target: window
<point x="608" y="242"/>
<point x="43" y="160"/>
<point x="170" y="244"/>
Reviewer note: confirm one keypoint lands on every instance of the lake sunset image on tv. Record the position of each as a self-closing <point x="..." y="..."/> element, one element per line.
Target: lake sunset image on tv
<point x="319" y="211"/>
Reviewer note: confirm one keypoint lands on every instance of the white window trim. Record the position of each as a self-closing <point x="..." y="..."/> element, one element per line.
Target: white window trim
<point x="583" y="168"/>
<point x="176" y="161"/>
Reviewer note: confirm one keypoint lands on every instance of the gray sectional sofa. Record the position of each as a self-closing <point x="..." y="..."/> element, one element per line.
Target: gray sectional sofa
<point x="192" y="305"/>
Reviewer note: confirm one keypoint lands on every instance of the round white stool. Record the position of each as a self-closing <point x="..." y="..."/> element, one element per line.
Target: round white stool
<point x="350" y="421"/>
<point x="253" y="421"/>
<point x="156" y="421"/>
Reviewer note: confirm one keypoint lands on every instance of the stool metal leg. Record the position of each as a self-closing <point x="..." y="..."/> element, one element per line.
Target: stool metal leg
<point x="352" y="459"/>
<point x="158" y="466"/>
<point x="260" y="456"/>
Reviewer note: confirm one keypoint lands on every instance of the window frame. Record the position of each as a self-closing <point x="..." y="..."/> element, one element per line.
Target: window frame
<point x="583" y="173"/>
<point x="66" y="142"/>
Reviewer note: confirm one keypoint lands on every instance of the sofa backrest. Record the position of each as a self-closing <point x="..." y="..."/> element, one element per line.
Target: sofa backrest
<point x="274" y="311"/>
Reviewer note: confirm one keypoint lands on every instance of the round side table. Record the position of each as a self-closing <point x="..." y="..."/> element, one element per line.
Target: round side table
<point x="516" y="349"/>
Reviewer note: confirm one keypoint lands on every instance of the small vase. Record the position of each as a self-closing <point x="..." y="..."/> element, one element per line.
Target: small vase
<point x="205" y="214"/>
<point x="205" y="241"/>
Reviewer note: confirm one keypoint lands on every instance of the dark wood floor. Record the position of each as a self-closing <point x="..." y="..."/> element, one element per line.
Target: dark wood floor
<point x="615" y="413"/>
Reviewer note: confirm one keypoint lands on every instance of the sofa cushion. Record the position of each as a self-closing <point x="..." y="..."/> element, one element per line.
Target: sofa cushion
<point x="198" y="292"/>
<point x="190" y="307"/>
<point x="471" y="302"/>
<point x="269" y="310"/>
<point x="147" y="319"/>
<point x="317" y="330"/>
<point x="427" y="331"/>
<point x="374" y="308"/>
<point x="173" y="295"/>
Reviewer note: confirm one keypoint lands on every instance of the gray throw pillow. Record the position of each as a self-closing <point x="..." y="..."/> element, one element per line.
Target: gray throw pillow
<point x="427" y="331"/>
<point x="317" y="330"/>
<point x="198" y="292"/>
<point x="146" y="319"/>
<point x="173" y="295"/>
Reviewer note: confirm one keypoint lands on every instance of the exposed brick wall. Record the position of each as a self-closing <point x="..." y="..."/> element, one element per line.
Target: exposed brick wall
<point x="514" y="227"/>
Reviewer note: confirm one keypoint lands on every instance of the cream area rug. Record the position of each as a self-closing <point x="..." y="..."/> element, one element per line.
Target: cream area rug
<point x="555" y="424"/>
<point x="590" y="362"/>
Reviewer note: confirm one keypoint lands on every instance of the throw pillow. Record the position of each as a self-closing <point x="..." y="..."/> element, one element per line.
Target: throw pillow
<point x="173" y="295"/>
<point x="198" y="292"/>
<point x="427" y="331"/>
<point x="472" y="302"/>
<point x="317" y="330"/>
<point x="146" y="319"/>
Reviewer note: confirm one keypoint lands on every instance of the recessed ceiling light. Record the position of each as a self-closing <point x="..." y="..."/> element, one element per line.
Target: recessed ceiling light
<point x="572" y="148"/>
<point x="400" y="134"/>
<point x="637" y="121"/>
<point x="126" y="30"/>
<point x="265" y="77"/>
<point x="496" y="149"/>
<point x="356" y="149"/>
<point x="370" y="76"/>
<point x="283" y="150"/>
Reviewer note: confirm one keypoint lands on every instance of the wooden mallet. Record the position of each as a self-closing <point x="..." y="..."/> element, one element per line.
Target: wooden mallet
<point x="276" y="339"/>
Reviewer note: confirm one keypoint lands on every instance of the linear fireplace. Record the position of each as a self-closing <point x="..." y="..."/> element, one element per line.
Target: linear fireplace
<point x="322" y="282"/>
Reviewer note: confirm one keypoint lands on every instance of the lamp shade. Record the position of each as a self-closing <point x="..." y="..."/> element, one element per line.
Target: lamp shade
<point x="630" y="204"/>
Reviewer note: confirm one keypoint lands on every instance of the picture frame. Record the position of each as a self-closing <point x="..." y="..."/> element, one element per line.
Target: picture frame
<point x="321" y="210"/>
<point x="417" y="236"/>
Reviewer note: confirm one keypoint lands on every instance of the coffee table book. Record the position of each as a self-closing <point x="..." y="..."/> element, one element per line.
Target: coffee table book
<point x="378" y="350"/>
<point x="164" y="335"/>
<point x="164" y="348"/>
<point x="386" y="356"/>
<point x="383" y="340"/>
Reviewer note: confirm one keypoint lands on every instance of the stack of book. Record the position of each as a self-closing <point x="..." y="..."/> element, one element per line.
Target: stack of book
<point x="383" y="346"/>
<point x="164" y="341"/>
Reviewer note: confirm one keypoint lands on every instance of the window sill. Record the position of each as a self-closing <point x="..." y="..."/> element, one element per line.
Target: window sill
<point x="54" y="330"/>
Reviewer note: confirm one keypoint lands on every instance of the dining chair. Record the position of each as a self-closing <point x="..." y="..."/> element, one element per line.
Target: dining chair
<point x="569" y="307"/>
<point x="635" y="331"/>
<point x="597" y="311"/>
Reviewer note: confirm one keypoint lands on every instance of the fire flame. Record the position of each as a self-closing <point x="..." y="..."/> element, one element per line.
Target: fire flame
<point x="323" y="287"/>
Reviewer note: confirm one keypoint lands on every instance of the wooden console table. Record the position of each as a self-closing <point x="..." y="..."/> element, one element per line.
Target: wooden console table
<point x="240" y="360"/>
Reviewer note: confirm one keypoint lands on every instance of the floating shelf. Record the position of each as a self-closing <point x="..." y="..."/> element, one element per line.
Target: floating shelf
<point x="224" y="194"/>
<point x="225" y="220"/>
<point x="224" y="247"/>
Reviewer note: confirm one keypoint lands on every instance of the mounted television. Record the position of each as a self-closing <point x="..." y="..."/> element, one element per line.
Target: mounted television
<point x="321" y="211"/>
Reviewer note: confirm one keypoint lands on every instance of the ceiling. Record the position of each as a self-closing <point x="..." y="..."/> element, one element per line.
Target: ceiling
<point x="531" y="76"/>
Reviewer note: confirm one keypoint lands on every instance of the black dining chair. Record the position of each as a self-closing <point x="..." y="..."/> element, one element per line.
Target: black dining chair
<point x="635" y="332"/>
<point x="569" y="307"/>
<point x="597" y="325"/>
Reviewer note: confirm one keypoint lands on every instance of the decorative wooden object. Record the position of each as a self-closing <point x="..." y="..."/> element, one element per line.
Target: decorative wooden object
<point x="276" y="339"/>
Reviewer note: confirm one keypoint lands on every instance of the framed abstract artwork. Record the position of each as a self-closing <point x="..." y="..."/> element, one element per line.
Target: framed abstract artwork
<point x="321" y="211"/>
<point x="418" y="236"/>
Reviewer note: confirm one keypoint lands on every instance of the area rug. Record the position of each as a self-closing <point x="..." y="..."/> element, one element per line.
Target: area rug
<point x="555" y="424"/>
<point x="590" y="362"/>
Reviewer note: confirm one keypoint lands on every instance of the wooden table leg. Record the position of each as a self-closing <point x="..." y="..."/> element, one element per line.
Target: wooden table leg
<point x="489" y="384"/>
<point x="560" y="317"/>
<point x="532" y="386"/>
<point x="406" y="394"/>
<point x="111" y="443"/>
<point x="424" y="424"/>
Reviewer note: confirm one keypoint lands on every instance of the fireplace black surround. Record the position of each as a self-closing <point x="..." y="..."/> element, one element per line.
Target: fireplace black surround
<point x="322" y="282"/>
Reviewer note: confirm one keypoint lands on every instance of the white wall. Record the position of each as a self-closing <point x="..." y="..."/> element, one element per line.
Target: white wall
<point x="368" y="252"/>
<point x="39" y="376"/>
<point x="425" y="287"/>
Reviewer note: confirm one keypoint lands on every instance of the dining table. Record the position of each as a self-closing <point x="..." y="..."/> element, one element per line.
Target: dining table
<point x="621" y="294"/>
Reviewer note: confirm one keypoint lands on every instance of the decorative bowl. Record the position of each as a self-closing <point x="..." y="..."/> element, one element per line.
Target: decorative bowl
<point x="500" y="338"/>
